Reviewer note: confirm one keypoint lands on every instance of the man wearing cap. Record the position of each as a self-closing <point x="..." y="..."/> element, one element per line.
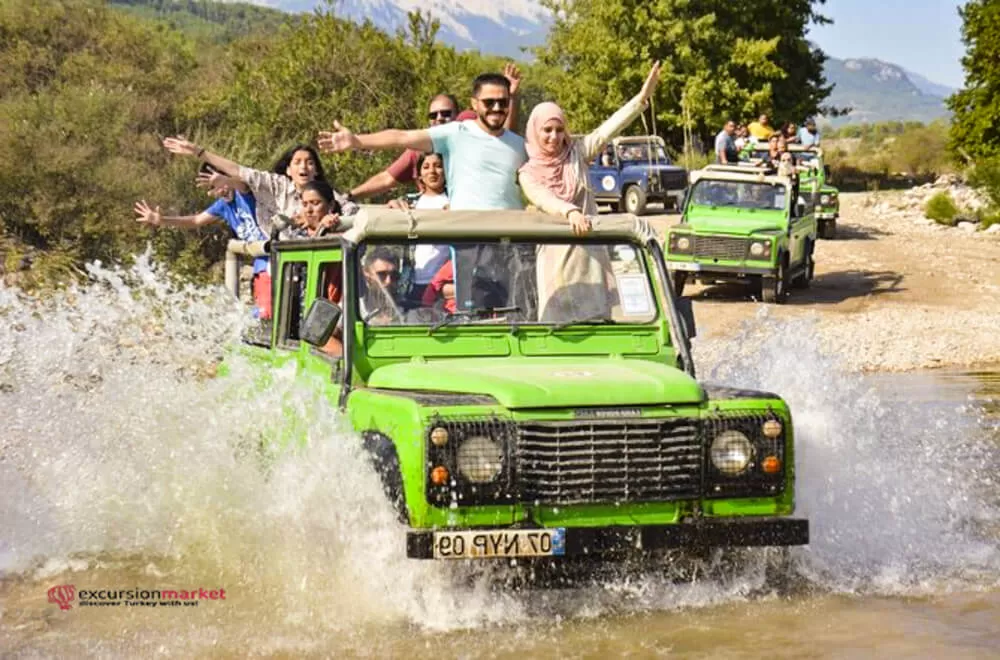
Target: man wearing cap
<point x="442" y="110"/>
<point x="809" y="134"/>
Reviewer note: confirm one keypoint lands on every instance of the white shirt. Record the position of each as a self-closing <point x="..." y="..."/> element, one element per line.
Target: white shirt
<point x="428" y="201"/>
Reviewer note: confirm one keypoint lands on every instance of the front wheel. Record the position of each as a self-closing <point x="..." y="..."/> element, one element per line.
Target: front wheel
<point x="775" y="289"/>
<point x="680" y="279"/>
<point x="635" y="200"/>
<point x="808" y="270"/>
<point x="828" y="229"/>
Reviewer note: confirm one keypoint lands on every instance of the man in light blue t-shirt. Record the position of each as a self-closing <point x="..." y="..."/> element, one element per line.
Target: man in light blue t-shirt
<point x="808" y="134"/>
<point x="481" y="158"/>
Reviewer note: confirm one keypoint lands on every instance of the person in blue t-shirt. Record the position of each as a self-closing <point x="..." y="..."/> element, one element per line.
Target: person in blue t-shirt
<point x="481" y="157"/>
<point x="237" y="208"/>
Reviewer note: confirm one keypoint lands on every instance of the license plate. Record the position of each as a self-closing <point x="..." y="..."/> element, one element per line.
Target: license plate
<point x="685" y="265"/>
<point x="500" y="543"/>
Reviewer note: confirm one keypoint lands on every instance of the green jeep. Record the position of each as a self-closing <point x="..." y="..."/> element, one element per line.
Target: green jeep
<point x="547" y="407"/>
<point x="823" y="197"/>
<point x="744" y="224"/>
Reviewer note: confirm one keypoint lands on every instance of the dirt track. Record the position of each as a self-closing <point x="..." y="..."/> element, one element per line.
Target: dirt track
<point x="890" y="294"/>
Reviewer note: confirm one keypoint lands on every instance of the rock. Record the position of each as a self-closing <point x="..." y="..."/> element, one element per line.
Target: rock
<point x="967" y="226"/>
<point x="993" y="229"/>
<point x="946" y="180"/>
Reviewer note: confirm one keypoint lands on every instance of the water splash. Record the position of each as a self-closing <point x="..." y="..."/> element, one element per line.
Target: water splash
<point x="892" y="489"/>
<point x="122" y="456"/>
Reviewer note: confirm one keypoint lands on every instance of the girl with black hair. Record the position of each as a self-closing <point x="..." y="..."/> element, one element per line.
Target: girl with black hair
<point x="278" y="191"/>
<point x="320" y="212"/>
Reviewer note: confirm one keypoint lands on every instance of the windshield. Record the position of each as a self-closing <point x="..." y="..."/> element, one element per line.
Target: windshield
<point x="739" y="194"/>
<point x="409" y="283"/>
<point x="642" y="151"/>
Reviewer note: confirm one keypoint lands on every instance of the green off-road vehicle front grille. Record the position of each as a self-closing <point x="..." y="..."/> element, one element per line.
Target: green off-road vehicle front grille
<point x="606" y="461"/>
<point x="721" y="247"/>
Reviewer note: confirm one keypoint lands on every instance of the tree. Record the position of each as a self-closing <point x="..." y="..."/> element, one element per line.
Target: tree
<point x="721" y="59"/>
<point x="976" y="107"/>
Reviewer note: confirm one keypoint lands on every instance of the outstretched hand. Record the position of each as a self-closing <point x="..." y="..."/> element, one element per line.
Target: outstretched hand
<point x="651" y="81"/>
<point x="148" y="215"/>
<point x="340" y="139"/>
<point x="211" y="181"/>
<point x="513" y="76"/>
<point x="178" y="145"/>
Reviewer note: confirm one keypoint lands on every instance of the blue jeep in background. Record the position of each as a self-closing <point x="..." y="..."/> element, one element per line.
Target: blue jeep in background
<point x="633" y="171"/>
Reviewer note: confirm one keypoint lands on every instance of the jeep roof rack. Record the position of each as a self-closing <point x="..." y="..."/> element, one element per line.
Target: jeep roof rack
<point x="379" y="221"/>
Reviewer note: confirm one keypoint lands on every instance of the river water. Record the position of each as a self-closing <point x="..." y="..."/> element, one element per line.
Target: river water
<point x="122" y="468"/>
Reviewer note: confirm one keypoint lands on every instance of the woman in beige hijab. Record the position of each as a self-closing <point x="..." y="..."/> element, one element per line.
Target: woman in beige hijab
<point x="574" y="282"/>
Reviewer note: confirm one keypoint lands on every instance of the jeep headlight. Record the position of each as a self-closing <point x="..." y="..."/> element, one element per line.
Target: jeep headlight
<point x="731" y="453"/>
<point x="824" y="199"/>
<point x="760" y="249"/>
<point x="680" y="243"/>
<point x="479" y="459"/>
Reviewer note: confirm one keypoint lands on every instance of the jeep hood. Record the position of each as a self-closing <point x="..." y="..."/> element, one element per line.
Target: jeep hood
<point x="546" y="383"/>
<point x="739" y="222"/>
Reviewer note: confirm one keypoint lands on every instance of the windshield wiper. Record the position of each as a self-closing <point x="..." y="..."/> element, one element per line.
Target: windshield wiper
<point x="601" y="319"/>
<point x="451" y="317"/>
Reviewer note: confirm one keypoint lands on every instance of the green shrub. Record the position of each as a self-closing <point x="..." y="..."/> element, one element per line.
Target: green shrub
<point x="989" y="220"/>
<point x="986" y="175"/>
<point x="941" y="209"/>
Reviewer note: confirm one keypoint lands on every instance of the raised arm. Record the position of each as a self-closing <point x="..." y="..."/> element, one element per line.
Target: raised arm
<point x="152" y="216"/>
<point x="178" y="145"/>
<point x="380" y="183"/>
<point x="211" y="181"/>
<point x="341" y="139"/>
<point x="513" y="76"/>
<point x="616" y="123"/>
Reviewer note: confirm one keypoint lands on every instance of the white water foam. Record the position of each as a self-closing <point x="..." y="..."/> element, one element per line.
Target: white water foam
<point x="118" y="447"/>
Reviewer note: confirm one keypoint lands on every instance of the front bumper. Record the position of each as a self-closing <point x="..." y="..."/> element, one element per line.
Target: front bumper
<point x="827" y="215"/>
<point x="700" y="267"/>
<point x="595" y="541"/>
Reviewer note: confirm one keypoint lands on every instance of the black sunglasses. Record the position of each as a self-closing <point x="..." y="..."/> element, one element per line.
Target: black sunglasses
<point x="443" y="114"/>
<point x="501" y="104"/>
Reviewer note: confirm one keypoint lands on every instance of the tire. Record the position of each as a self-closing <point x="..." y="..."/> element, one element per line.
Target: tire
<point x="383" y="457"/>
<point x="634" y="200"/>
<point x="828" y="229"/>
<point x="803" y="280"/>
<point x="679" y="280"/>
<point x="775" y="289"/>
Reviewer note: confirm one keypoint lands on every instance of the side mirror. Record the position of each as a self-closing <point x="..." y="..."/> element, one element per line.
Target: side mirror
<point x="320" y="322"/>
<point x="685" y="309"/>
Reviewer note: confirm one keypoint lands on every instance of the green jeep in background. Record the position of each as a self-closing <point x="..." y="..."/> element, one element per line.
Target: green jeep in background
<point x="744" y="224"/>
<point x="548" y="407"/>
<point x="823" y="197"/>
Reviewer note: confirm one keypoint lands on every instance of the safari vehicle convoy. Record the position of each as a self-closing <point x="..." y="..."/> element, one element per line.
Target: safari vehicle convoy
<point x="631" y="172"/>
<point x="744" y="224"/>
<point x="538" y="398"/>
<point x="824" y="198"/>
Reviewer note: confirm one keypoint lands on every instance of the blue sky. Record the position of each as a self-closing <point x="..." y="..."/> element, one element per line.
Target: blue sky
<point x="923" y="36"/>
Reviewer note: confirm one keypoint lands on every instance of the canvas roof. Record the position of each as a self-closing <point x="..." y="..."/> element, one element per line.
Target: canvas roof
<point x="741" y="174"/>
<point x="382" y="222"/>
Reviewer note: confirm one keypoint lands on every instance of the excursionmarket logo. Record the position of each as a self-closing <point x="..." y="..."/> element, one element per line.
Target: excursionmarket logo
<point x="64" y="595"/>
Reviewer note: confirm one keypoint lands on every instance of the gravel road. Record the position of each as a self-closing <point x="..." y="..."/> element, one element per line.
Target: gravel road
<point x="892" y="293"/>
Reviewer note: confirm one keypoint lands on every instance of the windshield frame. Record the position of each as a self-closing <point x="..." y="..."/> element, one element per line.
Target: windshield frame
<point x="706" y="181"/>
<point x="646" y="269"/>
